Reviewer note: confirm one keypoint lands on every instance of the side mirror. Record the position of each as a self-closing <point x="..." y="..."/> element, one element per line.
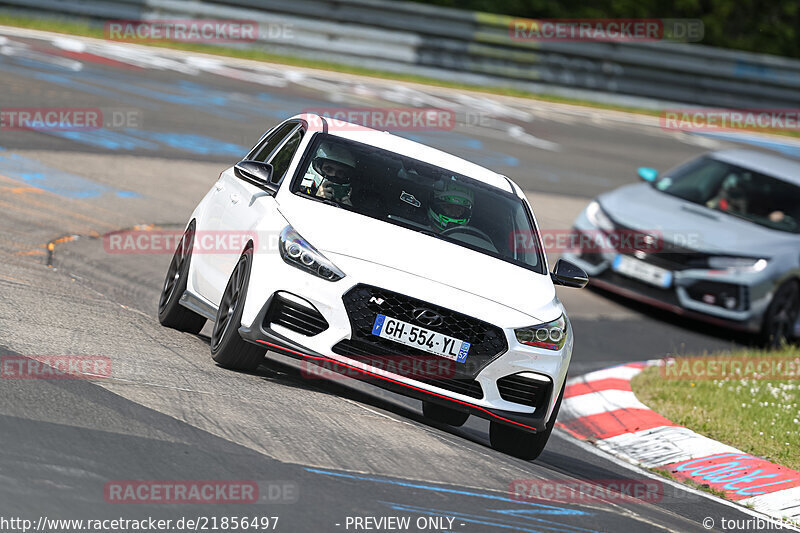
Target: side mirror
<point x="569" y="275"/>
<point x="257" y="173"/>
<point x="647" y="174"/>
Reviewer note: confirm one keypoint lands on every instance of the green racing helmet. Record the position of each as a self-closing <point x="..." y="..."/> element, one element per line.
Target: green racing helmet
<point x="450" y="206"/>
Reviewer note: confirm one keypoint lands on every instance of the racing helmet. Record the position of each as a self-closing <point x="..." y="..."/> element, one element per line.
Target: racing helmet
<point x="450" y="205"/>
<point x="337" y="154"/>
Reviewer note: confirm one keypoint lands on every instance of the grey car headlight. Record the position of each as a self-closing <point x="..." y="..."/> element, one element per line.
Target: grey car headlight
<point x="296" y="251"/>
<point x="737" y="264"/>
<point x="550" y="336"/>
<point x="598" y="217"/>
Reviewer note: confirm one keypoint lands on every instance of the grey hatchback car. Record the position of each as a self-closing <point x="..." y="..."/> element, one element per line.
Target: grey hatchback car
<point x="716" y="239"/>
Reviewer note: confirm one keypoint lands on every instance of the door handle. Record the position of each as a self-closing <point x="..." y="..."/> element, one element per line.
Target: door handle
<point x="235" y="198"/>
<point x="219" y="185"/>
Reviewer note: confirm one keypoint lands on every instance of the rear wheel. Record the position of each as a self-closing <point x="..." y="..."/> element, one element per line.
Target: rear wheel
<point x="227" y="346"/>
<point x="170" y="312"/>
<point x="523" y="444"/>
<point x="781" y="316"/>
<point x="444" y="415"/>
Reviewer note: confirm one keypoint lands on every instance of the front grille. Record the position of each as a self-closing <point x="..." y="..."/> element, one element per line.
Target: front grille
<point x="525" y="391"/>
<point x="364" y="302"/>
<point x="666" y="254"/>
<point x="295" y="317"/>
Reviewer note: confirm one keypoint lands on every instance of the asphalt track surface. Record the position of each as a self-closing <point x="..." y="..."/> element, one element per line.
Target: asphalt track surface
<point x="341" y="449"/>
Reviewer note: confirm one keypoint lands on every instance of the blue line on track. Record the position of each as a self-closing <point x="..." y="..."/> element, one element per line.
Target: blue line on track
<point x="57" y="181"/>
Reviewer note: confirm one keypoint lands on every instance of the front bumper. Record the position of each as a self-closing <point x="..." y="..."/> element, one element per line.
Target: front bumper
<point x="694" y="292"/>
<point x="270" y="339"/>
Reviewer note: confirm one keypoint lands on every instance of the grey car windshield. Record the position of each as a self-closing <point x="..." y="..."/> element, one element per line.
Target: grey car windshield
<point x="419" y="196"/>
<point x="737" y="191"/>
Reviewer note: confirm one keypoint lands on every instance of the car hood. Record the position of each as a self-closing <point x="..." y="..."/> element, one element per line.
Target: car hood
<point x="641" y="207"/>
<point x="332" y="229"/>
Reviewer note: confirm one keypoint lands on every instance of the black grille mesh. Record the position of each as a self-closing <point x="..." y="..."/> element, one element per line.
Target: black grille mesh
<point x="295" y="317"/>
<point x="525" y="391"/>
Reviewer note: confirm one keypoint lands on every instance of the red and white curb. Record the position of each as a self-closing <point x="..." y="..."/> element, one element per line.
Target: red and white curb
<point x="601" y="408"/>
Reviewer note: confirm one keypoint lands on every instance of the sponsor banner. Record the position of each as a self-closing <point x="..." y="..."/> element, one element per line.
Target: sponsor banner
<point x="586" y="491"/>
<point x="606" y="30"/>
<point x="730" y="367"/>
<point x="384" y="118"/>
<point x="738" y="475"/>
<point x="55" y="367"/>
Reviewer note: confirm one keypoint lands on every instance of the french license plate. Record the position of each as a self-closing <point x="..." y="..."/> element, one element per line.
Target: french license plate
<point x="421" y="338"/>
<point x="634" y="268"/>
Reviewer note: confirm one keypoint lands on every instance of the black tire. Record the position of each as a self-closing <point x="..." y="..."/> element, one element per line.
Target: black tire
<point x="170" y="312"/>
<point x="444" y="415"/>
<point x="781" y="316"/>
<point x="227" y="346"/>
<point x="523" y="444"/>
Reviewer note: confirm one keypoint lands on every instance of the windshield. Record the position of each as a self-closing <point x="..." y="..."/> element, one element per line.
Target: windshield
<point x="737" y="191"/>
<point x="418" y="196"/>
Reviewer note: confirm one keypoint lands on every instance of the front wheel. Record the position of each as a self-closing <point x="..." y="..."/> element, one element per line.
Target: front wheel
<point x="227" y="346"/>
<point x="170" y="312"/>
<point x="519" y="443"/>
<point x="781" y="316"/>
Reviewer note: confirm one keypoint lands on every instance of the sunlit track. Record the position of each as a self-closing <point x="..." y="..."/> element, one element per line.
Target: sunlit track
<point x="350" y="448"/>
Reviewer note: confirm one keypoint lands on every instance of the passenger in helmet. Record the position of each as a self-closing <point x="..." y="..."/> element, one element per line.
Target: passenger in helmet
<point x="336" y="167"/>
<point x="450" y="206"/>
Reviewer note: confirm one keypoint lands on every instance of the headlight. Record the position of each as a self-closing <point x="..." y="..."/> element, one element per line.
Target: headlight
<point x="597" y="216"/>
<point x="298" y="253"/>
<point x="551" y="336"/>
<point x="737" y="264"/>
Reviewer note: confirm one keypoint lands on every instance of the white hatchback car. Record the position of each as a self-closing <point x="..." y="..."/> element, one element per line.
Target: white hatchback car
<point x="387" y="260"/>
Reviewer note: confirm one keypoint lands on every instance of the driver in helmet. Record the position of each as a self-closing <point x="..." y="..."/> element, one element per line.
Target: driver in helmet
<point x="335" y="167"/>
<point x="450" y="206"/>
<point x="731" y="196"/>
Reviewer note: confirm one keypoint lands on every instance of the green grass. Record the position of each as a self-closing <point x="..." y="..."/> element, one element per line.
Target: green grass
<point x="758" y="416"/>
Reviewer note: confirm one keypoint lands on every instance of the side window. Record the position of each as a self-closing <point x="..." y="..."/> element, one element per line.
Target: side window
<point x="268" y="145"/>
<point x="283" y="157"/>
